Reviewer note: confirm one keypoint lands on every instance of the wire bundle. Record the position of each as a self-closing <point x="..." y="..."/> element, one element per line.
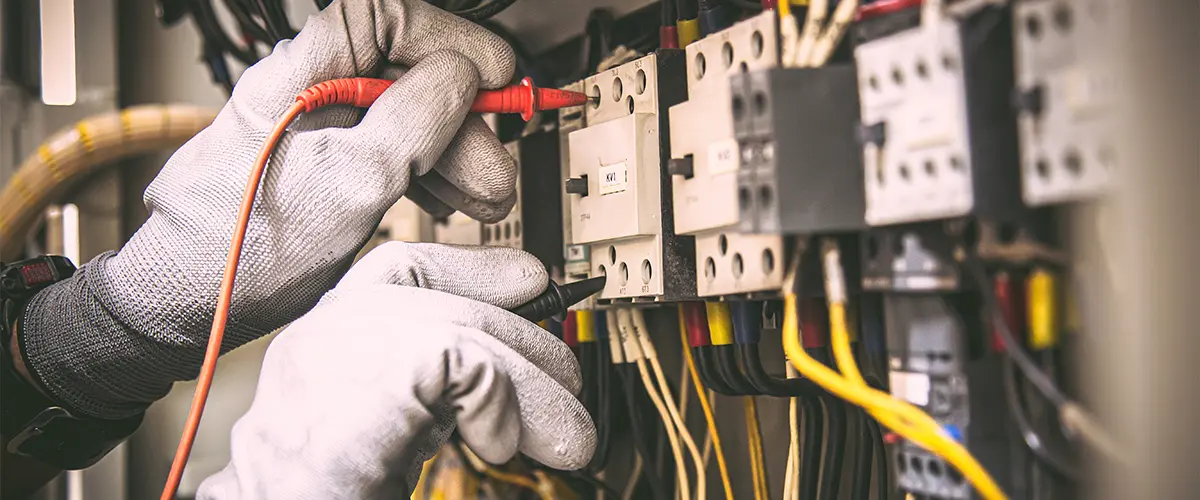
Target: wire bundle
<point x="813" y="45"/>
<point x="263" y="23"/>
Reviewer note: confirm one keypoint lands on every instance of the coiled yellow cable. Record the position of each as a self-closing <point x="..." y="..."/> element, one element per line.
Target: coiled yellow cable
<point x="78" y="150"/>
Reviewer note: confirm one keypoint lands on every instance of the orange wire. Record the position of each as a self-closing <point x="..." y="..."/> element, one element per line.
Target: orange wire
<point x="223" y="298"/>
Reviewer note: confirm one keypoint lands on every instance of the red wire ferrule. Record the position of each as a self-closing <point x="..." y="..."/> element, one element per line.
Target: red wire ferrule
<point x="570" y="329"/>
<point x="696" y="319"/>
<point x="814" y="321"/>
<point x="668" y="37"/>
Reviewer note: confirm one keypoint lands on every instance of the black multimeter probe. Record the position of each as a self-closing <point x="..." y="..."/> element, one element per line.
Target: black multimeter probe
<point x="553" y="302"/>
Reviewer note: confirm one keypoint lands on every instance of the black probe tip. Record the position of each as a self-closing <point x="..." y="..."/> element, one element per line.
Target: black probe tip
<point x="553" y="302"/>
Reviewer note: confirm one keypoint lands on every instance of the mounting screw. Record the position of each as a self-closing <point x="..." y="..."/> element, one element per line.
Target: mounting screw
<point x="577" y="185"/>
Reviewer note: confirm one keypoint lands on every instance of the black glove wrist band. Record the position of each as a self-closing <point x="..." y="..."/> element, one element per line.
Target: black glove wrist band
<point x="32" y="424"/>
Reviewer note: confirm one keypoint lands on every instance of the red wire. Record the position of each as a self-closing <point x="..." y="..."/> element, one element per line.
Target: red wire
<point x="885" y="7"/>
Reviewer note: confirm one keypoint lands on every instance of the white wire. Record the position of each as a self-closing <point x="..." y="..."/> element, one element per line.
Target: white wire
<point x="643" y="333"/>
<point x="814" y="23"/>
<point x="794" y="458"/>
<point x="708" y="440"/>
<point x="842" y="17"/>
<point x="633" y="349"/>
<point x="633" y="477"/>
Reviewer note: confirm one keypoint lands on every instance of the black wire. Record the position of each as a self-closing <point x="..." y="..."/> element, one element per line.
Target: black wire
<point x="835" y="409"/>
<point x="706" y="367"/>
<point x="587" y="371"/>
<point x="276" y="30"/>
<point x="206" y="22"/>
<point x="246" y="22"/>
<point x="809" y="395"/>
<point x="598" y="34"/>
<point x="749" y="4"/>
<point x="814" y="427"/>
<point x="882" y="467"/>
<point x="1037" y="446"/>
<point x="485" y="10"/>
<point x="668" y="12"/>
<point x="604" y="411"/>
<point x="639" y="435"/>
<point x="280" y="14"/>
<point x="725" y="357"/>
<point x="688" y="9"/>
<point x="861" y="489"/>
<point x="1012" y="349"/>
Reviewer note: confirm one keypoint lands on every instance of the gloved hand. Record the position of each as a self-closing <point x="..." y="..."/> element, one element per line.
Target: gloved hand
<point x="115" y="337"/>
<point x="358" y="393"/>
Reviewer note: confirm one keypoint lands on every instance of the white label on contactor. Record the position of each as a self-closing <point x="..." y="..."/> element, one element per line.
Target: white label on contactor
<point x="613" y="178"/>
<point x="909" y="386"/>
<point x="723" y="157"/>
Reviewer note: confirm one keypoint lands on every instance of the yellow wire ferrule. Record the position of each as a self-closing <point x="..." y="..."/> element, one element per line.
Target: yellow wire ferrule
<point x="1042" y="311"/>
<point x="585" y="326"/>
<point x="720" y="323"/>
<point x="688" y="31"/>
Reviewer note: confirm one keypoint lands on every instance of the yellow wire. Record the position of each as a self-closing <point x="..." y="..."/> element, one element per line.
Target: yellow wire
<point x="427" y="471"/>
<point x="505" y="477"/>
<point x="899" y="416"/>
<point x="705" y="406"/>
<point x="754" y="439"/>
<point x="896" y="415"/>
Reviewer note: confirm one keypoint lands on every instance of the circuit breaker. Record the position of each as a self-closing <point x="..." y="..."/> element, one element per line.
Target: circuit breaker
<point x="705" y="160"/>
<point x="1065" y="94"/>
<point x="618" y="187"/>
<point x="534" y="227"/>
<point x="939" y="132"/>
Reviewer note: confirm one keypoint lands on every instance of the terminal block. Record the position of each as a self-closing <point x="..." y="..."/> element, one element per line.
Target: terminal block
<point x="801" y="170"/>
<point x="533" y="227"/>
<point x="1065" y="94"/>
<point x="618" y="186"/>
<point x="939" y="134"/>
<point x="705" y="159"/>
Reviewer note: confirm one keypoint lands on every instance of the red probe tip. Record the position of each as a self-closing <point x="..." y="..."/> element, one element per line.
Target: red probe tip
<point x="526" y="99"/>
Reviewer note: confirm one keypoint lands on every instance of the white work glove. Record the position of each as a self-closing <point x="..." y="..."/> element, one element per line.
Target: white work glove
<point x="114" y="338"/>
<point x="414" y="341"/>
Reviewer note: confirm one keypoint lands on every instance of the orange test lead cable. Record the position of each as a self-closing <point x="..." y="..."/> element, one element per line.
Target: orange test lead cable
<point x="360" y="92"/>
